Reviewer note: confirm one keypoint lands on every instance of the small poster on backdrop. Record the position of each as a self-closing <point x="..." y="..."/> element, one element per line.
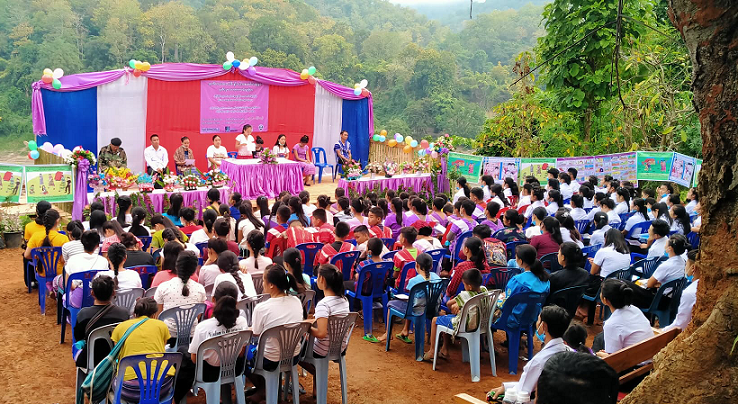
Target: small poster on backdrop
<point x="585" y="166"/>
<point x="622" y="166"/>
<point x="654" y="166"/>
<point x="682" y="168"/>
<point x="537" y="167"/>
<point x="697" y="169"/>
<point x="51" y="183"/>
<point x="11" y="182"/>
<point x="225" y="106"/>
<point x="501" y="167"/>
<point x="469" y="165"/>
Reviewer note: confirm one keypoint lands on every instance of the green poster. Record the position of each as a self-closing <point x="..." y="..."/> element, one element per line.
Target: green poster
<point x="697" y="168"/>
<point x="469" y="166"/>
<point x="537" y="167"/>
<point x="654" y="166"/>
<point x="11" y="183"/>
<point x="51" y="183"/>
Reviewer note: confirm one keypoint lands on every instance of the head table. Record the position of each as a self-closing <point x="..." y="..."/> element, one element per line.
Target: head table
<point x="197" y="198"/>
<point x="416" y="182"/>
<point x="253" y="179"/>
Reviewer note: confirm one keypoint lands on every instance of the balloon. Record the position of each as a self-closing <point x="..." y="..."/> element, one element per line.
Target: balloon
<point x="364" y="92"/>
<point x="311" y="70"/>
<point x="392" y="143"/>
<point x="376" y="138"/>
<point x="230" y="56"/>
<point x="47" y="144"/>
<point x="383" y="132"/>
<point x="363" y="83"/>
<point x="132" y="63"/>
<point x="382" y="138"/>
<point x="145" y="66"/>
<point x="47" y="79"/>
<point x="408" y="139"/>
<point x="48" y="72"/>
<point x="407" y="149"/>
<point x="65" y="153"/>
<point x="434" y="154"/>
<point x="29" y="156"/>
<point x="399" y="138"/>
<point x="136" y="73"/>
<point x="139" y="65"/>
<point x="78" y="148"/>
<point x="304" y="75"/>
<point x="357" y="85"/>
<point x="58" y="148"/>
<point x="32" y="145"/>
<point x="421" y="152"/>
<point x="244" y="64"/>
<point x="424" y="144"/>
<point x="311" y="80"/>
<point x="56" y="84"/>
<point x="357" y="92"/>
<point x="253" y="61"/>
<point x="58" y="73"/>
<point x="414" y="144"/>
<point x="236" y="63"/>
<point x="227" y="66"/>
<point x="251" y="70"/>
<point x="34" y="154"/>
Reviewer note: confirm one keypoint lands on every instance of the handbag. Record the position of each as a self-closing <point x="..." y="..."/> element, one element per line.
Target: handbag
<point x="98" y="381"/>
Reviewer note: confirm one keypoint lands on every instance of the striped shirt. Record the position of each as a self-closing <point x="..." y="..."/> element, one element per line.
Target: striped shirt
<point x="326" y="307"/>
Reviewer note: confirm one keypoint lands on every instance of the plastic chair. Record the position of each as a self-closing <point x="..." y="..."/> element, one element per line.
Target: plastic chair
<point x="645" y="268"/>
<point x="288" y="337"/>
<point x="589" y="252"/>
<point x="150" y="292"/>
<point x="582" y="226"/>
<point x="694" y="239"/>
<point x="437" y="256"/>
<point x="151" y="371"/>
<point x="388" y="242"/>
<point x="258" y="280"/>
<point x="459" y="243"/>
<point x="501" y="276"/>
<point x="525" y="323"/>
<point x="345" y="262"/>
<point x="146" y="272"/>
<point x="377" y="274"/>
<point x="201" y="247"/>
<point x="403" y="278"/>
<point x="309" y="251"/>
<point x="637" y="230"/>
<point x="247" y="304"/>
<point x="437" y="289"/>
<point x="184" y="319"/>
<point x="209" y="290"/>
<point x="415" y="312"/>
<point x="511" y="246"/>
<point x="46" y="259"/>
<point x="307" y="298"/>
<point x="319" y="152"/>
<point x="568" y="298"/>
<point x="666" y="315"/>
<point x="146" y="241"/>
<point x="340" y="328"/>
<point x="232" y="155"/>
<point x="126" y="298"/>
<point x="551" y="262"/>
<point x="390" y="255"/>
<point x="228" y="347"/>
<point x="622" y="274"/>
<point x="85" y="278"/>
<point x="97" y="336"/>
<point x="485" y="304"/>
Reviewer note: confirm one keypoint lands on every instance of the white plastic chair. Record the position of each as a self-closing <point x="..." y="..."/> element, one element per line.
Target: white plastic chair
<point x="289" y="337"/>
<point x="184" y="319"/>
<point x="306" y="298"/>
<point x="209" y="290"/>
<point x="471" y="340"/>
<point x="340" y="328"/>
<point x="97" y="336"/>
<point x="126" y="298"/>
<point x="228" y="347"/>
<point x="247" y="304"/>
<point x="258" y="280"/>
<point x="150" y="292"/>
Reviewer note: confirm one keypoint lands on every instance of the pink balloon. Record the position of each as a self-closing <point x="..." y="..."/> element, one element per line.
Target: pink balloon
<point x="57" y="149"/>
<point x="251" y="70"/>
<point x="434" y="154"/>
<point x="424" y="144"/>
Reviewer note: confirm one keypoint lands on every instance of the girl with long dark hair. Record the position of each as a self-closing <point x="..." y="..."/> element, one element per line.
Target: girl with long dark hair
<point x="124" y="210"/>
<point x="181" y="290"/>
<point x="550" y="240"/>
<point x="122" y="278"/>
<point x="175" y="206"/>
<point x="533" y="279"/>
<point x="463" y="190"/>
<point x="209" y="216"/>
<point x="230" y="272"/>
<point x="50" y="237"/>
<point x="475" y="258"/>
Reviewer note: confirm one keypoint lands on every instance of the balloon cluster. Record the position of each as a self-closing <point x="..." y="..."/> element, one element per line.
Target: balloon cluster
<point x="58" y="150"/>
<point x="360" y="88"/>
<point x="398" y="139"/>
<point x="138" y="66"/>
<point x="307" y="74"/>
<point x="52" y="77"/>
<point x="246" y="64"/>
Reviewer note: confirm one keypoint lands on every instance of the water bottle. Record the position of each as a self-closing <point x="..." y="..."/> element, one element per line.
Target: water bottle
<point x="511" y="396"/>
<point x="523" y="397"/>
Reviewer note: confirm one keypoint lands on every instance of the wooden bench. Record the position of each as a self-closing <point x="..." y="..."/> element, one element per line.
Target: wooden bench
<point x="628" y="358"/>
<point x="467" y="399"/>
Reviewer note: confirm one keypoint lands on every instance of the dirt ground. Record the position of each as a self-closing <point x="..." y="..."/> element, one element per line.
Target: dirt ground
<point x="37" y="369"/>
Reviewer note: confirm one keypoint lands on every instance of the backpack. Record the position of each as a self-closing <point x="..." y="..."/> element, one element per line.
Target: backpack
<point x="98" y="381"/>
<point x="496" y="252"/>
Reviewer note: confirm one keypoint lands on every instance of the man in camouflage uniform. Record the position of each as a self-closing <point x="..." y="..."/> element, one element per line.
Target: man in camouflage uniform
<point x="111" y="155"/>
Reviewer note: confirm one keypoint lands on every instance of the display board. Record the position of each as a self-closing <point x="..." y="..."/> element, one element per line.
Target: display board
<point x="585" y="166"/>
<point x="51" y="183"/>
<point x="536" y="167"/>
<point x="501" y="167"/>
<point x="654" y="166"/>
<point x="697" y="169"/>
<point x="682" y="168"/>
<point x="11" y="181"/>
<point x="621" y="166"/>
<point x="468" y="165"/>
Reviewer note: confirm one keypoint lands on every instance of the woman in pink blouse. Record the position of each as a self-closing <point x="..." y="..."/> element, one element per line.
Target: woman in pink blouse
<point x="301" y="153"/>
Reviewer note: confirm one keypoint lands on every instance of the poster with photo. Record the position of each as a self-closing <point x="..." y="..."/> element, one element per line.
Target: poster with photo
<point x="621" y="166"/>
<point x="51" y="183"/>
<point x="468" y="165"/>
<point x="654" y="166"/>
<point x="11" y="180"/>
<point x="682" y="168"/>
<point x="697" y="169"/>
<point x="585" y="166"/>
<point x="536" y="167"/>
<point x="501" y="167"/>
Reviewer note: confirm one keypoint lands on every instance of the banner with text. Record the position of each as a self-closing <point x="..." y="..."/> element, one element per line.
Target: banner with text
<point x="537" y="167"/>
<point x="501" y="167"/>
<point x="654" y="166"/>
<point x="225" y="106"/>
<point x="469" y="166"/>
<point x="682" y="168"/>
<point x="11" y="182"/>
<point x="621" y="166"/>
<point x="51" y="183"/>
<point x="697" y="168"/>
<point x="585" y="166"/>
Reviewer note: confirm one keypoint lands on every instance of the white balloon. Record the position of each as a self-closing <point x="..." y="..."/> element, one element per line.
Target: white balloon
<point x="364" y="83"/>
<point x="78" y="148"/>
<point x="230" y="56"/>
<point x="58" y="73"/>
<point x="253" y="61"/>
<point x="244" y="64"/>
<point x="65" y="153"/>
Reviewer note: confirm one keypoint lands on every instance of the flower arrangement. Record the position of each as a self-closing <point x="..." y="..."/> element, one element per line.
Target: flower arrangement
<point x="169" y="181"/>
<point x="442" y="146"/>
<point x="352" y="170"/>
<point x="145" y="183"/>
<point x="390" y="168"/>
<point x="216" y="178"/>
<point x="422" y="165"/>
<point x="374" y="168"/>
<point x="406" y="167"/>
<point x="190" y="182"/>
<point x="120" y="178"/>
<point x="80" y="154"/>
<point x="267" y="157"/>
<point x="96" y="181"/>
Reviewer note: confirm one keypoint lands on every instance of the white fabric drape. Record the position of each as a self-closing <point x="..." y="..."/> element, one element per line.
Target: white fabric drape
<point x="121" y="113"/>
<point x="327" y="123"/>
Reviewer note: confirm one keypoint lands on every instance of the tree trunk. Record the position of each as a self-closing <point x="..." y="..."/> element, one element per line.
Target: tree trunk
<point x="698" y="366"/>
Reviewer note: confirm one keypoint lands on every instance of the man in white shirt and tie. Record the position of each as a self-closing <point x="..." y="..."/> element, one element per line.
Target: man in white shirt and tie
<point x="156" y="157"/>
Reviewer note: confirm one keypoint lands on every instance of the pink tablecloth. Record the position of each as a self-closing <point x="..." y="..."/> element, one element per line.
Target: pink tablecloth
<point x="197" y="199"/>
<point x="416" y="182"/>
<point x="253" y="179"/>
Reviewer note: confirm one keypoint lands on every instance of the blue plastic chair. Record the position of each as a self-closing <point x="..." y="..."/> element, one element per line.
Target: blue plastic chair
<point x="528" y="223"/>
<point x="388" y="242"/>
<point x="551" y="262"/>
<point x="232" y="155"/>
<point x="87" y="300"/>
<point x="146" y="241"/>
<point x="622" y="274"/>
<point x="150" y="381"/>
<point x="694" y="239"/>
<point x="437" y="256"/>
<point x="637" y="230"/>
<point x="390" y="255"/>
<point x="568" y="298"/>
<point x="415" y="312"/>
<point x="646" y="267"/>
<point x="437" y="291"/>
<point x="511" y="246"/>
<point x="146" y="272"/>
<point x="582" y="226"/>
<point x="589" y="252"/>
<point x="228" y="347"/>
<point x="526" y="323"/>
<point x="624" y="218"/>
<point x="500" y="277"/>
<point x="403" y="278"/>
<point x="201" y="246"/>
<point x="459" y="244"/>
<point x="345" y="262"/>
<point x="666" y="315"/>
<point x="319" y="152"/>
<point x="46" y="259"/>
<point x="377" y="274"/>
<point x="309" y="251"/>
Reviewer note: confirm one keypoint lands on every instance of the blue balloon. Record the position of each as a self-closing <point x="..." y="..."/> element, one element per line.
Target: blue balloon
<point x="35" y="154"/>
<point x="382" y="138"/>
<point x="414" y="143"/>
<point x="236" y="63"/>
<point x="357" y="92"/>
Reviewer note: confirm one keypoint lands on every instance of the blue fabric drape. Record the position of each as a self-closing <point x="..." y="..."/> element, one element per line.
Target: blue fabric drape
<point x="355" y="120"/>
<point x="71" y="118"/>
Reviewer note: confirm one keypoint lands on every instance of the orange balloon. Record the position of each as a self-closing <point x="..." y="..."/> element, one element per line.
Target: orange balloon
<point x="383" y="133"/>
<point x="311" y="80"/>
<point x="407" y="149"/>
<point x="47" y="79"/>
<point x="136" y="73"/>
<point x="392" y="143"/>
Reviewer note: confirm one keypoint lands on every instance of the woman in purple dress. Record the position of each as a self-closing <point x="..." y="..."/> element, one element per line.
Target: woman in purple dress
<point x="301" y="153"/>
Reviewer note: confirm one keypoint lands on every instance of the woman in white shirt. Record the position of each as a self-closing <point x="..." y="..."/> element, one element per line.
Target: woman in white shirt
<point x="693" y="198"/>
<point x="689" y="295"/>
<point x="608" y="207"/>
<point x="577" y="212"/>
<point x="216" y="153"/>
<point x="613" y="256"/>
<point x="600" y="228"/>
<point x="230" y="272"/>
<point x="122" y="278"/>
<point x="667" y="271"/>
<point x="626" y="326"/>
<point x="640" y="214"/>
<point x="209" y="216"/>
<point x="245" y="145"/>
<point x="181" y="290"/>
<point x="569" y="230"/>
<point x="462" y="190"/>
<point x="74" y="246"/>
<point x="565" y="185"/>
<point x="256" y="262"/>
<point x="280" y="147"/>
<point x="538" y="215"/>
<point x="680" y="220"/>
<point x="486" y="181"/>
<point x="623" y="201"/>
<point x="588" y="195"/>
<point x="280" y="309"/>
<point x="247" y="223"/>
<point x="554" y="201"/>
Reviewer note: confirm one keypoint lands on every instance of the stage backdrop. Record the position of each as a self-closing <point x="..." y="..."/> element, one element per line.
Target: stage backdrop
<point x="92" y="108"/>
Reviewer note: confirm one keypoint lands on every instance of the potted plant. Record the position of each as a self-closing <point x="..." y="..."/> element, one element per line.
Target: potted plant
<point x="390" y="168"/>
<point x="374" y="169"/>
<point x="12" y="229"/>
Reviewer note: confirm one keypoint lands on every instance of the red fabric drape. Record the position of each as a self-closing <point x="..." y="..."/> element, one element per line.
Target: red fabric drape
<point x="173" y="111"/>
